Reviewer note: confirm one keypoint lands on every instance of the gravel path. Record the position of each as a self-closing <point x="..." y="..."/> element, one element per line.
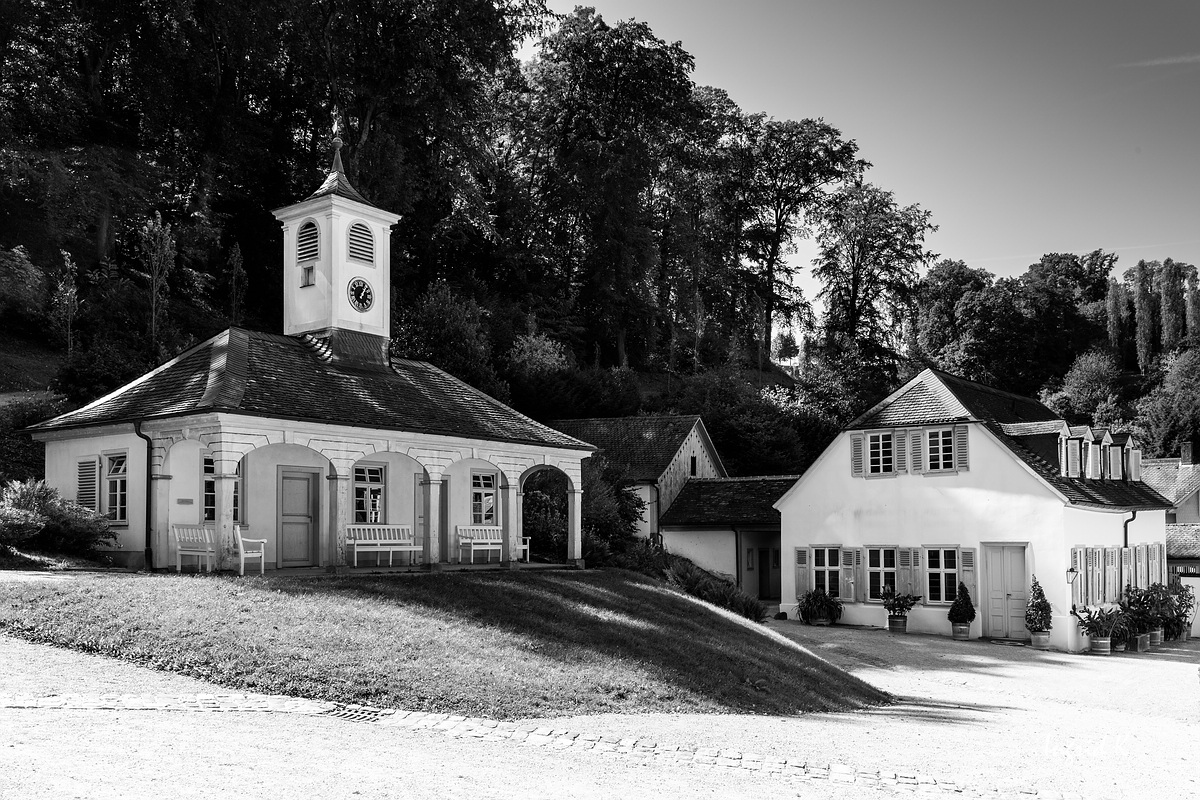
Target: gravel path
<point x="978" y="719"/>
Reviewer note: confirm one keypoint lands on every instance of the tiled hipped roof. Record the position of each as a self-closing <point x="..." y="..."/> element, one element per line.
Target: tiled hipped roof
<point x="728" y="501"/>
<point x="1022" y="424"/>
<point x="643" y="445"/>
<point x="1171" y="478"/>
<point x="284" y="377"/>
<point x="1183" y="540"/>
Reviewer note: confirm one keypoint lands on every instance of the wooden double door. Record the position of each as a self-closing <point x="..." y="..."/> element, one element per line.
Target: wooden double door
<point x="1006" y="591"/>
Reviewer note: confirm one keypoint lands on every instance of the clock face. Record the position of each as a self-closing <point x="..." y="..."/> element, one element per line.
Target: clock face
<point x="361" y="295"/>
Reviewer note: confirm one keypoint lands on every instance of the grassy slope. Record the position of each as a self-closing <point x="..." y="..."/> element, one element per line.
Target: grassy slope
<point x="503" y="645"/>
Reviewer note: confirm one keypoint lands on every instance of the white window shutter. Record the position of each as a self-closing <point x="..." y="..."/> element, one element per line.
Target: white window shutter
<point x="1112" y="574"/>
<point x="360" y="243"/>
<point x="1162" y="561"/>
<point x="1078" y="587"/>
<point x="967" y="573"/>
<point x="87" y="483"/>
<point x="856" y="455"/>
<point x="1115" y="463"/>
<point x="801" y="571"/>
<point x="308" y="242"/>
<point x="1095" y="564"/>
<point x="1093" y="462"/>
<point x="1128" y="576"/>
<point x="962" y="461"/>
<point x="1073" y="457"/>
<point x="900" y="449"/>
<point x="917" y="464"/>
<point x="849" y="588"/>
<point x="1141" y="566"/>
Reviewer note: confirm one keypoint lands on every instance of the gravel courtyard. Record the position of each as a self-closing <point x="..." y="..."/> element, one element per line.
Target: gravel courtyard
<point x="991" y="720"/>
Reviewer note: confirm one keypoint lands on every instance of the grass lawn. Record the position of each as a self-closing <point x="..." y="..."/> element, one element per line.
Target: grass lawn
<point x="501" y="645"/>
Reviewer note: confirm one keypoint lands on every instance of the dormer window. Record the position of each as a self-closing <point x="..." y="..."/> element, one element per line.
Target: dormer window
<point x="308" y="243"/>
<point x="361" y="243"/>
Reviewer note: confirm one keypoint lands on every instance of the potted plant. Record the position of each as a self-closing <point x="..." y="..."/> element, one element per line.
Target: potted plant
<point x="1098" y="623"/>
<point x="961" y="614"/>
<point x="818" y="608"/>
<point x="1185" y="605"/>
<point x="1161" y="607"/>
<point x="1038" y="616"/>
<point x="1120" y="633"/>
<point x="898" y="606"/>
<point x="1140" y="621"/>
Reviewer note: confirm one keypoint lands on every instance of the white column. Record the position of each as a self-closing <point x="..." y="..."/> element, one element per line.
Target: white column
<point x="225" y="479"/>
<point x="575" y="527"/>
<point x="160" y="522"/>
<point x="340" y="510"/>
<point x="433" y="522"/>
<point x="512" y="524"/>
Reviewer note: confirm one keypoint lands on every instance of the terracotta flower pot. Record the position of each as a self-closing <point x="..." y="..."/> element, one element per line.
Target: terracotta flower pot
<point x="897" y="623"/>
<point x="1102" y="645"/>
<point x="1041" y="640"/>
<point x="960" y="630"/>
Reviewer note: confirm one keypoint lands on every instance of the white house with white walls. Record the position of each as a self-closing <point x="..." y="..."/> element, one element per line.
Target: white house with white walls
<point x="297" y="438"/>
<point x="948" y="480"/>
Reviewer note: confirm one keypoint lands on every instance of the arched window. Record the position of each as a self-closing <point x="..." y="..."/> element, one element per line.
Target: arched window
<point x="308" y="242"/>
<point x="361" y="243"/>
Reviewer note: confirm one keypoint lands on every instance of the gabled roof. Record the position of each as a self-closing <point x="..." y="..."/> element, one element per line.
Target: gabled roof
<point x="1170" y="478"/>
<point x="1023" y="425"/>
<point x="1183" y="540"/>
<point x="644" y="445"/>
<point x="301" y="378"/>
<point x="728" y="501"/>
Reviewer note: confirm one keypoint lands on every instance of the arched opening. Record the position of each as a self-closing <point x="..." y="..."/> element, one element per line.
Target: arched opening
<point x="388" y="520"/>
<point x="286" y="502"/>
<point x="545" y="513"/>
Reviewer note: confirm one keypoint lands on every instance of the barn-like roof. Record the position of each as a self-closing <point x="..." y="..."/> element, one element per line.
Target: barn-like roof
<point x="302" y="378"/>
<point x="728" y="501"/>
<point x="1023" y="425"/>
<point x="644" y="445"/>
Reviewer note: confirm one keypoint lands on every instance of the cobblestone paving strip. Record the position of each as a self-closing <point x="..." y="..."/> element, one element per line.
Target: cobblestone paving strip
<point x="459" y="727"/>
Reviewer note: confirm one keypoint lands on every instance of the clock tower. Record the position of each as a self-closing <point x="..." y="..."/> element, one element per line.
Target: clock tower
<point x="336" y="269"/>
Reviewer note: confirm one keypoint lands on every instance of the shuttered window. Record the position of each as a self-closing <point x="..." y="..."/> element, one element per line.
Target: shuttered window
<point x="827" y="570"/>
<point x="308" y="242"/>
<point x="941" y="574"/>
<point x="361" y="244"/>
<point x="116" y="482"/>
<point x="941" y="450"/>
<point x="87" y="484"/>
<point x="880" y="457"/>
<point x="881" y="571"/>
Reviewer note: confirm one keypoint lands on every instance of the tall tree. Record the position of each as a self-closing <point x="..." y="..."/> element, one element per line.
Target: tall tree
<point x="870" y="250"/>
<point x="1142" y="278"/>
<point x="794" y="164"/>
<point x="1171" y="303"/>
<point x="1114" y="306"/>
<point x="1193" y="308"/>
<point x="158" y="257"/>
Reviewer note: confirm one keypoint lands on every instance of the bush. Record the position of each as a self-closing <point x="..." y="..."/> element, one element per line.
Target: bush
<point x="1037" y="612"/>
<point x="68" y="528"/>
<point x="17" y="525"/>
<point x="962" y="611"/>
<point x="816" y="603"/>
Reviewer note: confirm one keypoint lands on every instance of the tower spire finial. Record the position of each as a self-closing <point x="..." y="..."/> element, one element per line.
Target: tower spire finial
<point x="337" y="145"/>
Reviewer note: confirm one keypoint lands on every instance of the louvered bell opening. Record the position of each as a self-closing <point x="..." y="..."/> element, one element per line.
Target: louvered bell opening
<point x="362" y="246"/>
<point x="308" y="242"/>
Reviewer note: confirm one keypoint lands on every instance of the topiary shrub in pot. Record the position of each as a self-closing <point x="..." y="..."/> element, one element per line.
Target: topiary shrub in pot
<point x="818" y="608"/>
<point x="898" y="606"/>
<point x="961" y="614"/>
<point x="1038" y="619"/>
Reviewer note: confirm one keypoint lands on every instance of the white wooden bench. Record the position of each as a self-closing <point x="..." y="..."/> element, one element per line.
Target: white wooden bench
<point x="382" y="539"/>
<point x="194" y="540"/>
<point x="486" y="538"/>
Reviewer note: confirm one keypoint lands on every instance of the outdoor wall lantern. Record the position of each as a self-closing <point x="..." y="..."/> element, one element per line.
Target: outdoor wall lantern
<point x="1072" y="574"/>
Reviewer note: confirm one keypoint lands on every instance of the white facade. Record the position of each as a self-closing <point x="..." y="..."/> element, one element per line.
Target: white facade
<point x="1002" y="522"/>
<point x="695" y="450"/>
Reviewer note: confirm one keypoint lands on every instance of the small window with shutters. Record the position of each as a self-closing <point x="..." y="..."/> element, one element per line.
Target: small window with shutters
<point x="361" y="244"/>
<point x="940" y="450"/>
<point x="308" y="243"/>
<point x="881" y="571"/>
<point x="941" y="573"/>
<point x="880" y="454"/>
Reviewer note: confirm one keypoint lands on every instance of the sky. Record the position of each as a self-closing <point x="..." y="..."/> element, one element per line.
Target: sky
<point x="1024" y="127"/>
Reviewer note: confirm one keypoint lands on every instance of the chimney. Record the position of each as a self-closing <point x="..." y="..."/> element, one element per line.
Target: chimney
<point x="1135" y="465"/>
<point x="1188" y="453"/>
